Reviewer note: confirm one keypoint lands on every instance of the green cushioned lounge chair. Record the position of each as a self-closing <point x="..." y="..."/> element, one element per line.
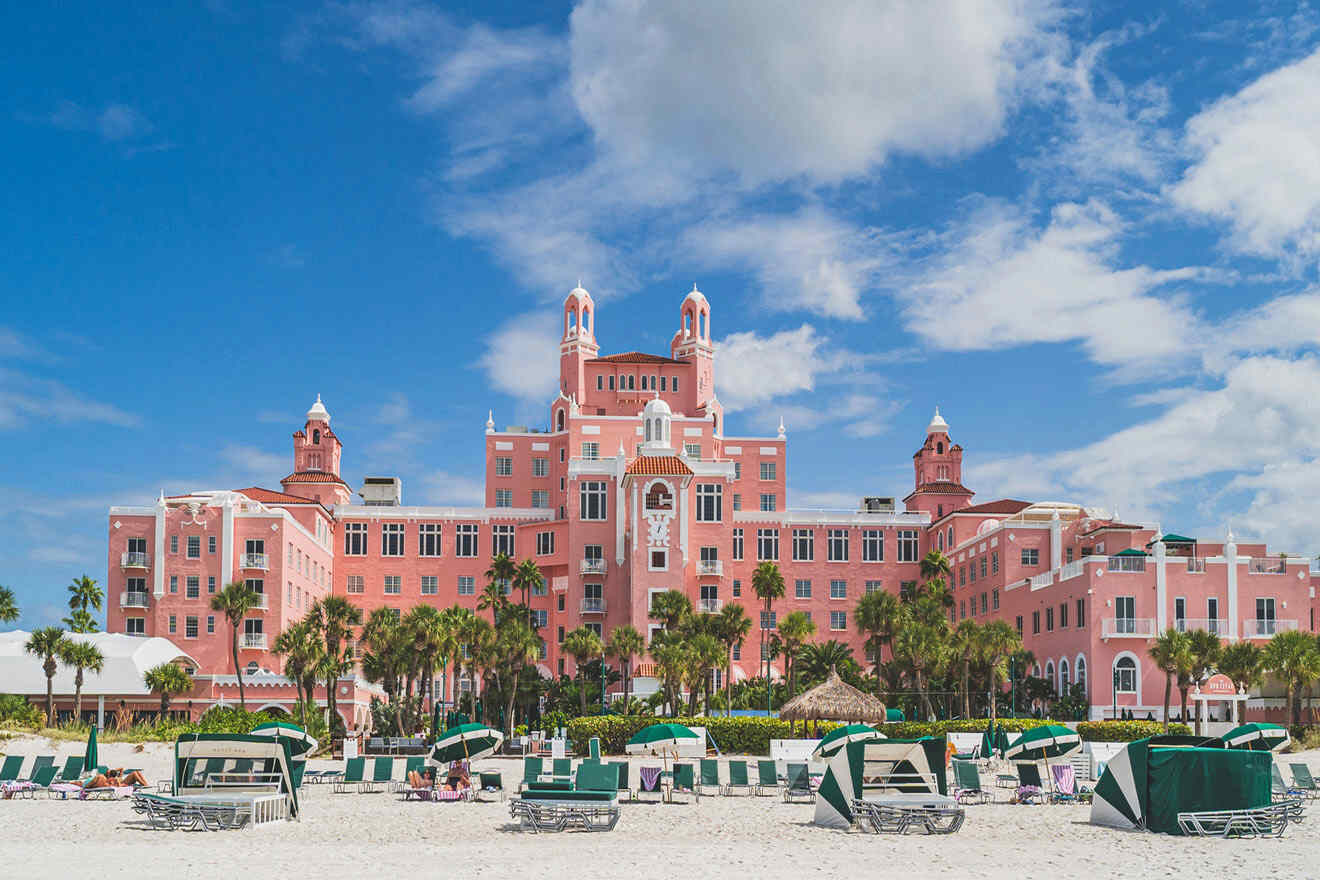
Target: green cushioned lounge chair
<point x="1303" y="781"/>
<point x="11" y="768"/>
<point x="354" y="770"/>
<point x="592" y="804"/>
<point x="710" y="777"/>
<point x="967" y="784"/>
<point x="562" y="768"/>
<point x="621" y="768"/>
<point x="767" y="778"/>
<point x="798" y="784"/>
<point x="382" y="773"/>
<point x="42" y="780"/>
<point x="489" y="785"/>
<point x="531" y="772"/>
<point x="73" y="768"/>
<point x="414" y="763"/>
<point x="738" y="782"/>
<point x="684" y="784"/>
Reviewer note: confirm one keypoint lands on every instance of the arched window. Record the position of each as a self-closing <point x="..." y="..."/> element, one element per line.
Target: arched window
<point x="316" y="436"/>
<point x="1080" y="670"/>
<point x="632" y="383"/>
<point x="939" y="448"/>
<point x="1063" y="676"/>
<point x="715" y="424"/>
<point x="950" y="540"/>
<point x="658" y="497"/>
<point x="940" y="541"/>
<point x="586" y="321"/>
<point x="702" y="324"/>
<point x="648" y="430"/>
<point x="1125" y="675"/>
<point x="1049" y="671"/>
<point x="559" y="421"/>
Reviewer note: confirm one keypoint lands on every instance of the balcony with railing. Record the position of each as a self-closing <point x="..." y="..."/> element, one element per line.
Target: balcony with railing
<point x="260" y="603"/>
<point x="1195" y="565"/>
<point x="134" y="599"/>
<point x="1192" y="624"/>
<point x="1127" y="563"/>
<point x="135" y="560"/>
<point x="254" y="561"/>
<point x="594" y="566"/>
<point x="1072" y="570"/>
<point x="1042" y="580"/>
<point x="1127" y="628"/>
<point x="1265" y="629"/>
<point x="1267" y="565"/>
<point x="710" y="606"/>
<point x="592" y="605"/>
<point x="710" y="568"/>
<point x="252" y="641"/>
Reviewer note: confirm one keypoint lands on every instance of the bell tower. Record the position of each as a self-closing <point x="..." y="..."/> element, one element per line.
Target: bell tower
<point x="692" y="344"/>
<point x="316" y="454"/>
<point x="578" y="345"/>
<point x="937" y="472"/>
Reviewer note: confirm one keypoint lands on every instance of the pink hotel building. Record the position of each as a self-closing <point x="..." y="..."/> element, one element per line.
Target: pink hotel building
<point x="636" y="488"/>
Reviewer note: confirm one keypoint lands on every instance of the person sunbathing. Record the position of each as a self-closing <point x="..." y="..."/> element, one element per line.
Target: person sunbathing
<point x="420" y="780"/>
<point x="458" y="778"/>
<point x="115" y="779"/>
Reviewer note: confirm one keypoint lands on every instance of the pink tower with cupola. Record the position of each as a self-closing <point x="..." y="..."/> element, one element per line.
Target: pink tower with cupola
<point x="937" y="468"/>
<point x="578" y="344"/>
<point x="316" y="453"/>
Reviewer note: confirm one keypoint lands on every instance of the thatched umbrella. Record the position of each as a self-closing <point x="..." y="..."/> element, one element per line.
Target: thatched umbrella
<point x="833" y="700"/>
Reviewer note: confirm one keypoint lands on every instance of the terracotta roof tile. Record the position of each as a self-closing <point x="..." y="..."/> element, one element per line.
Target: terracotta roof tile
<point x="634" y="357"/>
<point x="270" y="496"/>
<point x="312" y="477"/>
<point x="1002" y="506"/>
<point x="1109" y="524"/>
<point x="659" y="465"/>
<point x="941" y="487"/>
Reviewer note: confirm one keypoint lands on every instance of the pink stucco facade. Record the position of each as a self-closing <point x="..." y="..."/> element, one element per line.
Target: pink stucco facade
<point x="635" y="488"/>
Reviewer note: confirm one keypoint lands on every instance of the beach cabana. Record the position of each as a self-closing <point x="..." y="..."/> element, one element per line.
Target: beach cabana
<point x="1148" y="783"/>
<point x="268" y="757"/>
<point x="881" y="767"/>
<point x="300" y="742"/>
<point x="839" y="737"/>
<point x="833" y="700"/>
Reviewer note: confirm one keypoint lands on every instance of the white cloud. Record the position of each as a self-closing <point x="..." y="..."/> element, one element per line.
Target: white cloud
<point x="754" y="368"/>
<point x="1257" y="166"/>
<point x="445" y="487"/>
<point x="113" y="122"/>
<point x="522" y="357"/>
<point x="24" y="398"/>
<point x="256" y="465"/>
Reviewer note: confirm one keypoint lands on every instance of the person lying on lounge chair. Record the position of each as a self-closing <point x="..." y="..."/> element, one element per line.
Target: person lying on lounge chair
<point x="458" y="778"/>
<point x="115" y="779"/>
<point x="420" y="780"/>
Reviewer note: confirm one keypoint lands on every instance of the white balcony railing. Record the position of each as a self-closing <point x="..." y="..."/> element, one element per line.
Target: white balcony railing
<point x="593" y="606"/>
<point x="594" y="566"/>
<point x="260" y="603"/>
<point x="253" y="560"/>
<point x="1267" y="565"/>
<point x="1195" y="566"/>
<point x="134" y="599"/>
<point x="559" y="584"/>
<point x="253" y="642"/>
<point x="1071" y="570"/>
<point x="1192" y="624"/>
<point x="1127" y="628"/>
<point x="1042" y="580"/>
<point x="710" y="606"/>
<point x="1264" y="629"/>
<point x="134" y="560"/>
<point x="1127" y="563"/>
<point x="712" y="567"/>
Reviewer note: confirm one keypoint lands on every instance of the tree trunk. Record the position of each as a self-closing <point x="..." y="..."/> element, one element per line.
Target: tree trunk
<point x="1168" y="693"/>
<point x="238" y="671"/>
<point x="77" y="695"/>
<point x="728" y="684"/>
<point x="332" y="658"/>
<point x="582" y="692"/>
<point x="1182" y="706"/>
<point x="967" y="689"/>
<point x="50" y="691"/>
<point x="164" y="704"/>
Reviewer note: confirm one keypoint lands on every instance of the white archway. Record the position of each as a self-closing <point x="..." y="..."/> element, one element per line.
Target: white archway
<point x="1136" y="661"/>
<point x="1079" y="671"/>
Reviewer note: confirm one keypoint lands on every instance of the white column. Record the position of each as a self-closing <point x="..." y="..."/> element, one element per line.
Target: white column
<point x="1056" y="542"/>
<point x="1161" y="589"/>
<point x="1231" y="560"/>
<point x="100" y="712"/>
<point x="227" y="541"/>
<point x="683" y="521"/>
<point x="637" y="523"/>
<point x="158" y="564"/>
<point x="620" y="512"/>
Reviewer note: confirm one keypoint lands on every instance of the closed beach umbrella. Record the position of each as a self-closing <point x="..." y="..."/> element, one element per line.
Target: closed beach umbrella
<point x="466" y="742"/>
<point x="1040" y="743"/>
<point x="988" y="742"/>
<point x="659" y="739"/>
<point x="1001" y="740"/>
<point x="1254" y="736"/>
<point x="300" y="741"/>
<point x="839" y="737"/>
<point x="90" y="758"/>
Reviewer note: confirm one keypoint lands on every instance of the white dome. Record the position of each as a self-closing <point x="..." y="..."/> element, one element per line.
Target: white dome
<point x="987" y="527"/>
<point x="695" y="295"/>
<point x="937" y="424"/>
<point x="318" y="412"/>
<point x="657" y="407"/>
<point x="579" y="292"/>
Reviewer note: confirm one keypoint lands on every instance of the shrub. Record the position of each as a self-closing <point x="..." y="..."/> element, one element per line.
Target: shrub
<point x="1126" y="731"/>
<point x="19" y="712"/>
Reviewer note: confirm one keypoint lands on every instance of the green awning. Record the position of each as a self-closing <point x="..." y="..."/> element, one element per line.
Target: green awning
<point x="1173" y="539"/>
<point x="1131" y="551"/>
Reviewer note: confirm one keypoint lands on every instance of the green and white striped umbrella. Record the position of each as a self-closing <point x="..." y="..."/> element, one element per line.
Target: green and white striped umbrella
<point x="300" y="741"/>
<point x="466" y="742"/>
<point x="1258" y="737"/>
<point x="839" y="737"/>
<point x="1120" y="793"/>
<point x="1046" y="741"/>
<point x="658" y="738"/>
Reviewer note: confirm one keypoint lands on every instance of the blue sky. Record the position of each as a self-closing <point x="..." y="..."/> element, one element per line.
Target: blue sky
<point x="1087" y="232"/>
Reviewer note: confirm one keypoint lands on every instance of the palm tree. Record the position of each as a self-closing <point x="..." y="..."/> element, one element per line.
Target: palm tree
<point x="731" y="627"/>
<point x="48" y="643"/>
<point x="1204" y="650"/>
<point x="935" y="567"/>
<point x="334" y="617"/>
<point x="234" y="602"/>
<point x="517" y="645"/>
<point x="768" y="585"/>
<point x="501" y="572"/>
<point x="670" y="654"/>
<point x="671" y="608"/>
<point x="458" y="622"/>
<point x="388" y="649"/>
<point x="168" y="680"/>
<point x="81" y="655"/>
<point x="999" y="639"/>
<point x="84" y="594"/>
<point x="1244" y="663"/>
<point x="794" y="631"/>
<point x="302" y="650"/>
<point x="704" y="653"/>
<point x="625" y="643"/>
<point x="1294" y="657"/>
<point x="1171" y="653"/>
<point x="878" y="615"/>
<point x="527" y="577"/>
<point x="964" y="647"/>
<point x="816" y="660"/>
<point x="921" y="639"/>
<point x="429" y="630"/>
<point x="8" y="605"/>
<point x="583" y="644"/>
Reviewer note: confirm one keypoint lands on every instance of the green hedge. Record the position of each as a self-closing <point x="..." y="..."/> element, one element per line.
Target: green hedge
<point x="1126" y="731"/>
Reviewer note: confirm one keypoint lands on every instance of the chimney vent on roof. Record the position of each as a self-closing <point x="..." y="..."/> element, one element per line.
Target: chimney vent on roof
<point x="878" y="504"/>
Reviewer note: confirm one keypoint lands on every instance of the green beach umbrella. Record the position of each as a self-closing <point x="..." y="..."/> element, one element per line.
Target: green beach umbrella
<point x="988" y="741"/>
<point x="1001" y="740"/>
<point x="1254" y="736"/>
<point x="90" y="758"/>
<point x="300" y="741"/>
<point x="1046" y="741"/>
<point x="466" y="742"/>
<point x="839" y="737"/>
<point x="659" y="738"/>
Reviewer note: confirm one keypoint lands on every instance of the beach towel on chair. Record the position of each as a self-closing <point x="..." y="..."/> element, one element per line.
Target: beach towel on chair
<point x="650" y="778"/>
<point x="1065" y="779"/>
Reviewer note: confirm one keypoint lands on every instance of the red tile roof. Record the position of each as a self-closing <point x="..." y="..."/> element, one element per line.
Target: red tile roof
<point x="312" y="477"/>
<point x="270" y="496"/>
<point x="634" y="357"/>
<point x="941" y="487"/>
<point x="1004" y="506"/>
<point x="1109" y="524"/>
<point x="659" y="465"/>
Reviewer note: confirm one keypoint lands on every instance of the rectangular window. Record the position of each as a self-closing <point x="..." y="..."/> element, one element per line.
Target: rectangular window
<point x="1049" y="620"/>
<point x="391" y="539"/>
<point x="1081" y="614"/>
<point x="994" y="599"/>
<point x="768" y="503"/>
<point x="768" y="470"/>
<point x="540" y="618"/>
<point x="592" y="499"/>
<point x="873" y="586"/>
<point x="354" y="584"/>
<point x="540" y="467"/>
<point x="192" y="586"/>
<point x="194" y="546"/>
<point x="804" y="545"/>
<point x="659" y="560"/>
<point x="971" y="572"/>
<point x="873" y="545"/>
<point x="591" y="450"/>
<point x="802" y="589"/>
<point x="737" y="501"/>
<point x="692" y="451"/>
<point x="545" y="543"/>
<point x="600" y="383"/>
<point x="135" y="626"/>
<point x="428" y="539"/>
<point x="767" y="544"/>
<point x="503" y="466"/>
<point x="1180" y="614"/>
<point x="984" y="603"/>
<point x="504" y="498"/>
<point x="1035" y="623"/>
<point x="1125" y="614"/>
<point x="737" y="652"/>
<point x="1030" y="556"/>
<point x="210" y="584"/>
<point x="467" y="585"/>
<point x="1069" y="555"/>
<point x="907" y="545"/>
<point x="595" y="627"/>
<point x="675" y="383"/>
<point x="838" y="545"/>
<point x="738" y="544"/>
<point x="355" y="539"/>
<point x="962" y="575"/>
<point x="190" y="627"/>
<point x="983" y="566"/>
<point x="1018" y="624"/>
<point x="838" y="589"/>
<point x="994" y="562"/>
<point x="838" y="620"/>
<point x="1063" y="616"/>
<point x="710" y="502"/>
<point x="174" y="583"/>
<point x="611" y="384"/>
<point x="737" y="470"/>
<point x="172" y="625"/>
<point x="1211" y="613"/>
<point x="501" y="540"/>
<point x="210" y="544"/>
<point x="737" y="588"/>
<point x="174" y="543"/>
<point x="767" y="620"/>
<point x="430" y="585"/>
<point x="210" y="625"/>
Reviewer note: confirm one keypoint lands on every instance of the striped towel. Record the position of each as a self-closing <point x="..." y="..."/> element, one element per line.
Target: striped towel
<point x="64" y="789"/>
<point x="444" y="794"/>
<point x="650" y="778"/>
<point x="10" y="789"/>
<point x="1065" y="778"/>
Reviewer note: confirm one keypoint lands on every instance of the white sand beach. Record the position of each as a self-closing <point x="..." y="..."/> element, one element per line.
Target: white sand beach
<point x="376" y="834"/>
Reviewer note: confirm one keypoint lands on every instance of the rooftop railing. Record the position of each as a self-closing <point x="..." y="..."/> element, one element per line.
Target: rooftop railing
<point x="1265" y="629"/>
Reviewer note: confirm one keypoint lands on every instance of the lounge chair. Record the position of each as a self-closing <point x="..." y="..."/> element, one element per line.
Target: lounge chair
<point x="73" y="768"/>
<point x="562" y="769"/>
<point x="710" y="777"/>
<point x="354" y="770"/>
<point x="491" y="784"/>
<point x="41" y="781"/>
<point x="798" y="784"/>
<point x="738" y="778"/>
<point x="767" y="778"/>
<point x="899" y="814"/>
<point x="1030" y="790"/>
<point x="38" y="763"/>
<point x="1280" y="793"/>
<point x="382" y="773"/>
<point x="649" y="781"/>
<point x="413" y="764"/>
<point x="531" y="772"/>
<point x="684" y="783"/>
<point x="1268" y="821"/>
<point x="1065" y="789"/>
<point x="12" y="767"/>
<point x="621" y="768"/>
<point x="593" y="748"/>
<point x="1303" y="781"/>
<point x="592" y="803"/>
<point x="967" y="784"/>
